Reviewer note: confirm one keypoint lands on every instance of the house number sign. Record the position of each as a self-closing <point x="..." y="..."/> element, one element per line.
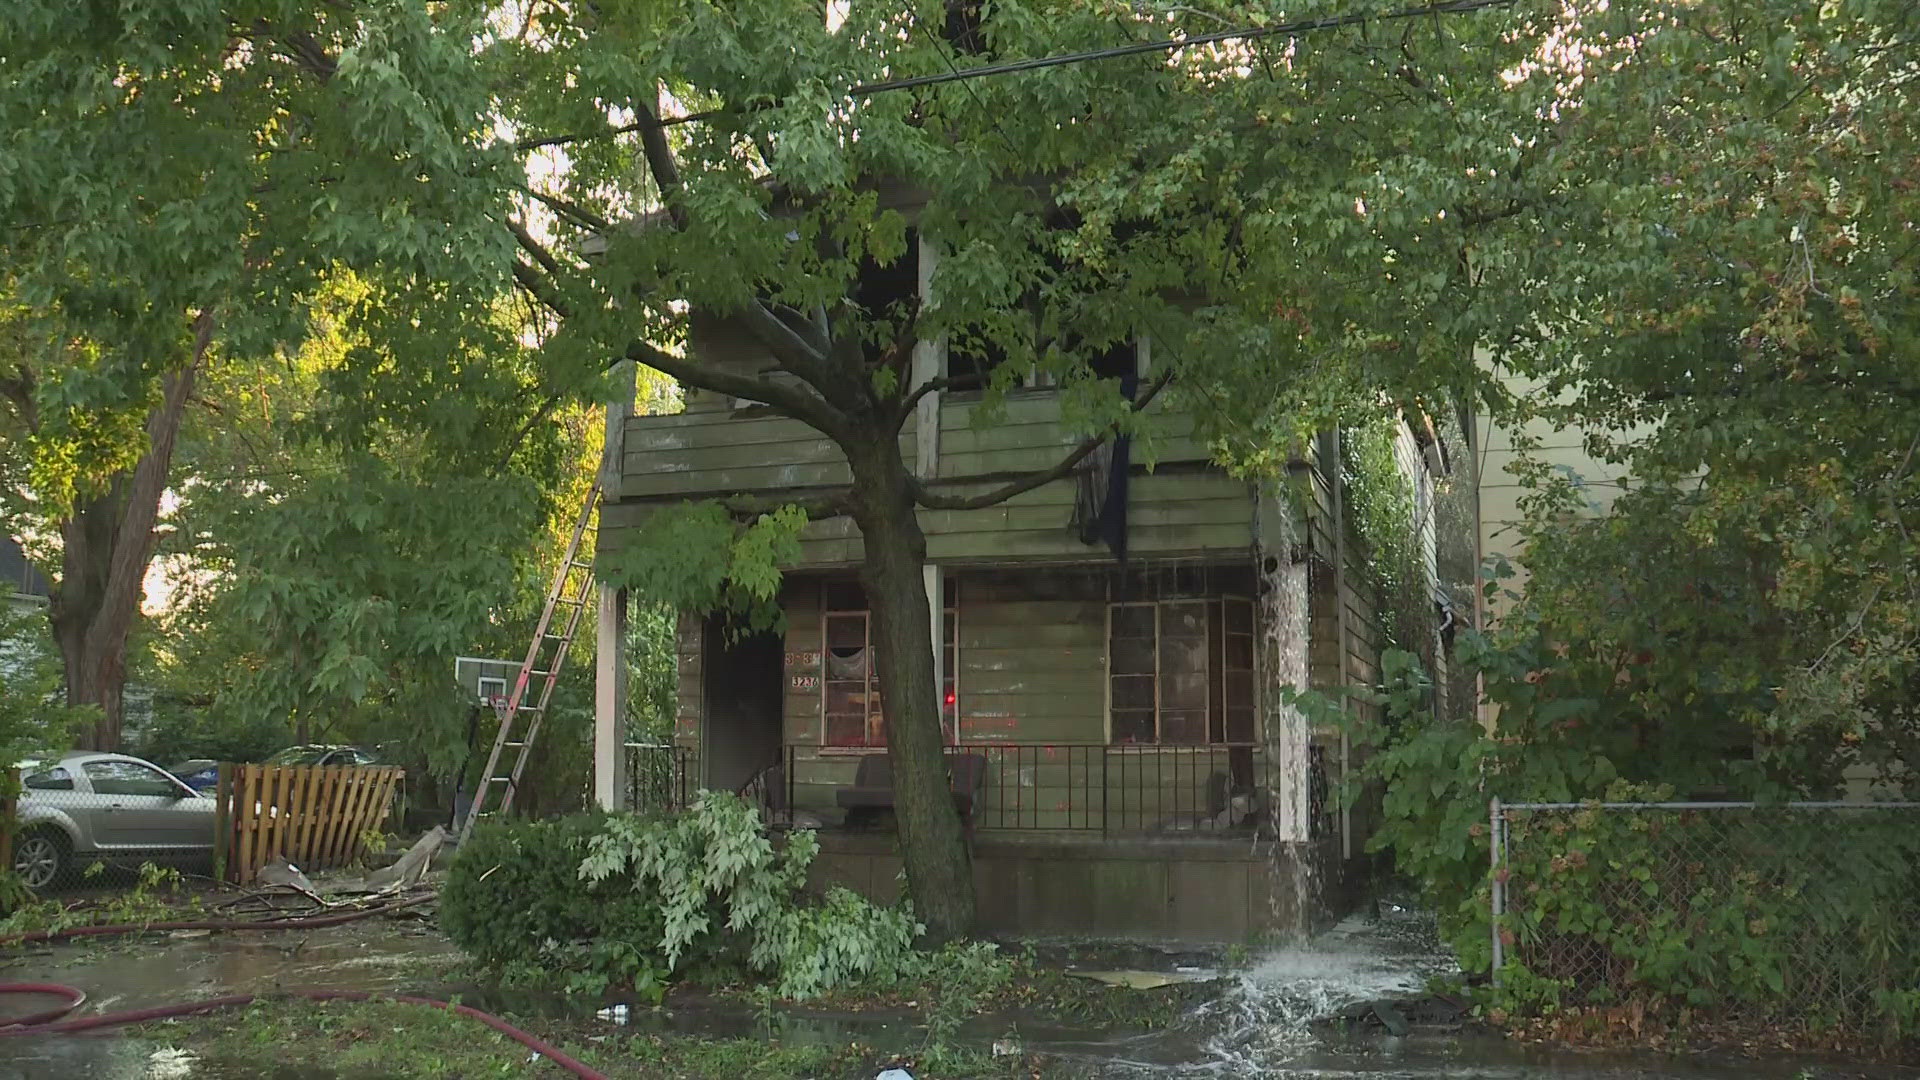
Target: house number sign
<point x="806" y="683"/>
<point x="803" y="660"/>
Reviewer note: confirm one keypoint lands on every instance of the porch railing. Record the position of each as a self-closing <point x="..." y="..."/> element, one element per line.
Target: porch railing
<point x="1113" y="790"/>
<point x="658" y="777"/>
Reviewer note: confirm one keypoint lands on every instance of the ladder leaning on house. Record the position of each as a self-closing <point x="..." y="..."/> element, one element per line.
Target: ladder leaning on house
<point x="526" y="706"/>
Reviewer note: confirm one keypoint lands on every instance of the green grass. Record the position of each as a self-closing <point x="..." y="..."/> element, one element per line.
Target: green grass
<point x="1014" y="987"/>
<point x="391" y="1041"/>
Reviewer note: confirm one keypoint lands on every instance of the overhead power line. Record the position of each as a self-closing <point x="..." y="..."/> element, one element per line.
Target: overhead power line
<point x="1244" y="33"/>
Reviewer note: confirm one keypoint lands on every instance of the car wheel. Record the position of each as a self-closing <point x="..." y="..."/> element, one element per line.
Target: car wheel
<point x="40" y="858"/>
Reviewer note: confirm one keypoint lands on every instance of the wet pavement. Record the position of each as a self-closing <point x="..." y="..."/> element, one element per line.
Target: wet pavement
<point x="1263" y="1024"/>
<point x="142" y="972"/>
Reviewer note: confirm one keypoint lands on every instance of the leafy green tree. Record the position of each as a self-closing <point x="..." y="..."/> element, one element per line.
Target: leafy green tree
<point x="1285" y="219"/>
<point x="1735" y="183"/>
<point x="178" y="183"/>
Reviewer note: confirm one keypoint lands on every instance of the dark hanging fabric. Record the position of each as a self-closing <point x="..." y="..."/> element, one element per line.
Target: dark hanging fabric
<point x="1100" y="498"/>
<point x="1090" y="493"/>
<point x="1113" y="510"/>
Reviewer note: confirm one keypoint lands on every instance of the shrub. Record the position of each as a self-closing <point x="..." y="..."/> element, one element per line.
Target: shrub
<point x="714" y="873"/>
<point x="594" y="899"/>
<point x="1768" y="913"/>
<point x="514" y="900"/>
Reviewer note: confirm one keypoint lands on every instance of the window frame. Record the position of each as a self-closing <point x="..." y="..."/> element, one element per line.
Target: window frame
<point x="1216" y="673"/>
<point x="66" y="774"/>
<point x="169" y="787"/>
<point x="950" y="674"/>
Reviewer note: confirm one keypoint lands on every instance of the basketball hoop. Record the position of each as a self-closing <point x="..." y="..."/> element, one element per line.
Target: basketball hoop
<point x="499" y="704"/>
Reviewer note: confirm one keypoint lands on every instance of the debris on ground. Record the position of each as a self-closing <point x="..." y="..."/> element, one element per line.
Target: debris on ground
<point x="278" y="871"/>
<point x="1390" y="1018"/>
<point x="1432" y="1014"/>
<point x="894" y="1074"/>
<point x="411" y="868"/>
<point x="615" y="1013"/>
<point x="1134" y="980"/>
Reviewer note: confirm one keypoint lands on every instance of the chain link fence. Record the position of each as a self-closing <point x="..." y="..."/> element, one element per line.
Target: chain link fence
<point x="1799" y="913"/>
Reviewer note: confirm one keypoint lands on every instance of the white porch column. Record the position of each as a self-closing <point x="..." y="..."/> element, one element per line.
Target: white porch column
<point x="610" y="699"/>
<point x="939" y="625"/>
<point x="1281" y="661"/>
<point x="610" y="626"/>
<point x="928" y="357"/>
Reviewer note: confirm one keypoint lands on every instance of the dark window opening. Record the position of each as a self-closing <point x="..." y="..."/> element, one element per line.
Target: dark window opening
<point x="1117" y="361"/>
<point x="1180" y="672"/>
<point x="886" y="294"/>
<point x="964" y="29"/>
<point x="970" y="365"/>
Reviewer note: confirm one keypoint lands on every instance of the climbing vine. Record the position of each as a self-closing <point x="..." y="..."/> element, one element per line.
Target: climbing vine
<point x="1381" y="510"/>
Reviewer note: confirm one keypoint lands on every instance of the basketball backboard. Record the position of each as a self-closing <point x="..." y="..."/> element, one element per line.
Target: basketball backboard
<point x="487" y="682"/>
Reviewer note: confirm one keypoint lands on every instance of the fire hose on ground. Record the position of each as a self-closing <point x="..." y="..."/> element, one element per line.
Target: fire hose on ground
<point x="51" y="1021"/>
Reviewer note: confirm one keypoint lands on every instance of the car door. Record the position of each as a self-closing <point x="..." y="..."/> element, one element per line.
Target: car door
<point x="54" y="793"/>
<point x="144" y="808"/>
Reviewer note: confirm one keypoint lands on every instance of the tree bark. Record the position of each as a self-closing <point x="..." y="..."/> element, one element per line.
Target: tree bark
<point x="107" y="543"/>
<point x="932" y="842"/>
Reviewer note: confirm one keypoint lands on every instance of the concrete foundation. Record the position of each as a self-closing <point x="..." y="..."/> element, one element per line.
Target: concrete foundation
<point x="1190" y="891"/>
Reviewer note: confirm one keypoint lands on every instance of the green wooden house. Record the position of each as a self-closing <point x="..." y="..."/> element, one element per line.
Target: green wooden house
<point x="1143" y="776"/>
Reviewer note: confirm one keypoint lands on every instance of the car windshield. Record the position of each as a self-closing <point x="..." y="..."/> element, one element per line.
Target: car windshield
<point x="299" y="755"/>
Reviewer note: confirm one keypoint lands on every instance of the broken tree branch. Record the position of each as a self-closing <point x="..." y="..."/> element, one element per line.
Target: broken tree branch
<point x="791" y="400"/>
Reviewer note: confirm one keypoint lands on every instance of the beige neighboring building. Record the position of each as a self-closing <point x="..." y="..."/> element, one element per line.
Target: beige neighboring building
<point x="1500" y="488"/>
<point x="1494" y="451"/>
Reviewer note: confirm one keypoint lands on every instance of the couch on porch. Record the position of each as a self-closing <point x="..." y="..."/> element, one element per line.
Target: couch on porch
<point x="872" y="787"/>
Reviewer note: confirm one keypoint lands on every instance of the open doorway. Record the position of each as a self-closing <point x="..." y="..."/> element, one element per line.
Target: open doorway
<point x="741" y="732"/>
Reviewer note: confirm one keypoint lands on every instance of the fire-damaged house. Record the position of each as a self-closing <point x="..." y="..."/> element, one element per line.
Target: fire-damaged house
<point x="1115" y="652"/>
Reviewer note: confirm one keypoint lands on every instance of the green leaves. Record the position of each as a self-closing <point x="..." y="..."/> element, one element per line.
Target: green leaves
<point x="715" y="878"/>
<point x="695" y="557"/>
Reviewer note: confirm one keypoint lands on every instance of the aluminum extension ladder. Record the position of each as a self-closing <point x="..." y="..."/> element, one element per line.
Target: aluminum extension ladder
<point x="526" y="706"/>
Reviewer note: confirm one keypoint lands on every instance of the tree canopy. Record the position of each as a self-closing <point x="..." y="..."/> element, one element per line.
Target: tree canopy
<point x="1695" y="215"/>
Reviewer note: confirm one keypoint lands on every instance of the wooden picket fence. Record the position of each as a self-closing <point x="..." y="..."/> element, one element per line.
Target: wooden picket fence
<point x="313" y="816"/>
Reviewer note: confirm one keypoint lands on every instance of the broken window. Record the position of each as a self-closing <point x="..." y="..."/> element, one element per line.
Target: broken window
<point x="851" y="705"/>
<point x="1180" y="672"/>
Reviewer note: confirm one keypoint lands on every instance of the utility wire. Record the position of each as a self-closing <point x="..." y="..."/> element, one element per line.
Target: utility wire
<point x="1244" y="33"/>
<point x="1247" y="33"/>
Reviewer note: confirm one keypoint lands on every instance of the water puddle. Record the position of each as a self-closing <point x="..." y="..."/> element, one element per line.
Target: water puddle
<point x="136" y="973"/>
<point x="1267" y="1023"/>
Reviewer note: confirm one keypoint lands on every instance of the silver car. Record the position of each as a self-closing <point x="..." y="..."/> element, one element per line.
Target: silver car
<point x="90" y="807"/>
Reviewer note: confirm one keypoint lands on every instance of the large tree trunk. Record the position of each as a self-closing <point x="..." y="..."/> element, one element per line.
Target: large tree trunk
<point x="107" y="544"/>
<point x="932" y="842"/>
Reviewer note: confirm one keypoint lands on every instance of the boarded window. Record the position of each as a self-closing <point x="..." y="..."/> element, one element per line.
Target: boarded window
<point x="1180" y="672"/>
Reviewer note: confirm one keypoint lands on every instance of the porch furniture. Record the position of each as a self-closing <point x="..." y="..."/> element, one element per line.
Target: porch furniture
<point x="873" y="785"/>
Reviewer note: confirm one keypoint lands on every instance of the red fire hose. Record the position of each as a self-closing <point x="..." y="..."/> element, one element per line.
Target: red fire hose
<point x="46" y="1022"/>
<point x="49" y="1022"/>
